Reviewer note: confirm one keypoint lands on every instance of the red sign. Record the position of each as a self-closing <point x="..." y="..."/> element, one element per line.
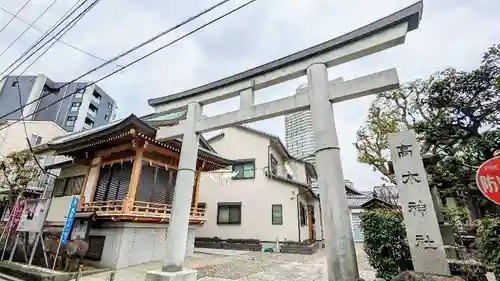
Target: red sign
<point x="488" y="179"/>
<point x="15" y="216"/>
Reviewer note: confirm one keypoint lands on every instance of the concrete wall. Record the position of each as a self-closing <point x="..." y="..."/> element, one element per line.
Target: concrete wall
<point x="256" y="195"/>
<point x="13" y="138"/>
<point x="9" y="99"/>
<point x="129" y="244"/>
<point x="33" y="87"/>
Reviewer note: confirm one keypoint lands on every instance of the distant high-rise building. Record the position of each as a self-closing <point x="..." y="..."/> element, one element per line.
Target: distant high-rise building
<point x="299" y="136"/>
<point x="86" y="109"/>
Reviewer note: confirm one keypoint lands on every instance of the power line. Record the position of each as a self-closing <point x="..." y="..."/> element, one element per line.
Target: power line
<point x="17" y="13"/>
<point x="26" y="30"/>
<point x="65" y="30"/>
<point x="31" y="25"/>
<point x="131" y="50"/>
<point x="78" y="18"/>
<point x="39" y="41"/>
<point x="135" y="61"/>
<point x="26" y="134"/>
<point x="152" y="39"/>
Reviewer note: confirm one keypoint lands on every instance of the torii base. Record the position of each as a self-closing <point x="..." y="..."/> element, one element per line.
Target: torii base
<point x="183" y="275"/>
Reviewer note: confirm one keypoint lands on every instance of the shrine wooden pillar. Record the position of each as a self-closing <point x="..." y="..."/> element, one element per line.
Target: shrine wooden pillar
<point x="134" y="179"/>
<point x="196" y="191"/>
<point x="84" y="187"/>
<point x="90" y="182"/>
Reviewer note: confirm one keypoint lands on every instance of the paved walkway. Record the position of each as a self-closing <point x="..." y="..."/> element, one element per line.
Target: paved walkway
<point x="246" y="266"/>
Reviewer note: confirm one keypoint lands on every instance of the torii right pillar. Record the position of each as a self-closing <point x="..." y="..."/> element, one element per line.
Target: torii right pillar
<point x="341" y="254"/>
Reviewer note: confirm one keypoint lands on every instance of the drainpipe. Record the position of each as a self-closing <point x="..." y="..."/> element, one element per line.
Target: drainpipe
<point x="321" y="219"/>
<point x="268" y="159"/>
<point x="298" y="212"/>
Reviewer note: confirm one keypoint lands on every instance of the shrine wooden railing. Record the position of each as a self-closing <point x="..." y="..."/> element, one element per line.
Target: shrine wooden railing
<point x="137" y="209"/>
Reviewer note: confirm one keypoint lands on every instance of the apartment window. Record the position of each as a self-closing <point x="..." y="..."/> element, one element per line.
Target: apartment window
<point x="68" y="186"/>
<point x="302" y="214"/>
<point x="245" y="170"/>
<point x="79" y="93"/>
<point x="229" y="213"/>
<point x="277" y="214"/>
<point x="89" y="122"/>
<point x="93" y="108"/>
<point x="70" y="121"/>
<point x="75" y="106"/>
<point x="35" y="139"/>
<point x="106" y="117"/>
<point x="110" y="105"/>
<point x="274" y="165"/>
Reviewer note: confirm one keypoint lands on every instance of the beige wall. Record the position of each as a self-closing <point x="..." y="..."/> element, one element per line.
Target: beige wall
<point x="60" y="205"/>
<point x="256" y="195"/>
<point x="15" y="136"/>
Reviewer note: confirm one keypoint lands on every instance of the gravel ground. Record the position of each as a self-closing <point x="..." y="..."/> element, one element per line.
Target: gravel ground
<point x="257" y="266"/>
<point x="237" y="267"/>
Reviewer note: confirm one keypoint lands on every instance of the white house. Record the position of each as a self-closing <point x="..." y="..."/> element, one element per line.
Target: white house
<point x="259" y="203"/>
<point x="13" y="137"/>
<point x="267" y="204"/>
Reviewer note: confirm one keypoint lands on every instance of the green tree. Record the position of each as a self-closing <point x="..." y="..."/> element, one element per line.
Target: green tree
<point x="17" y="171"/>
<point x="456" y="117"/>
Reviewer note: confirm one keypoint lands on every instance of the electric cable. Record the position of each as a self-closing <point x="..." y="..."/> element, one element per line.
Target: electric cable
<point x="26" y="30"/>
<point x="27" y="137"/>
<point x="152" y="39"/>
<point x="135" y="61"/>
<point x="38" y="42"/>
<point x="79" y="17"/>
<point x="17" y="13"/>
<point x="31" y="25"/>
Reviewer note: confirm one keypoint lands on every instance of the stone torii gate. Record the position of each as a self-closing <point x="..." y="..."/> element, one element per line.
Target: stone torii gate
<point x="313" y="62"/>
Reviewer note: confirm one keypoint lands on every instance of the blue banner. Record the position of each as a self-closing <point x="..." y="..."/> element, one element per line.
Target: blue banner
<point x="69" y="221"/>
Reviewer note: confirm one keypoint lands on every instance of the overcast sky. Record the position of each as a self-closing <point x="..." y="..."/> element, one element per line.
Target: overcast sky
<point x="452" y="33"/>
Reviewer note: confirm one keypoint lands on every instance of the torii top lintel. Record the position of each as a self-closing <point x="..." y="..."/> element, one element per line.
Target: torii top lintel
<point x="374" y="37"/>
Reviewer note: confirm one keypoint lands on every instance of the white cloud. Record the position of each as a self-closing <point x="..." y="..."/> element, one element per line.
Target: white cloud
<point x="452" y="33"/>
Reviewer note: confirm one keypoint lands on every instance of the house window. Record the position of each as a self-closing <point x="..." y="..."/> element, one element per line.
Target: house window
<point x="245" y="170"/>
<point x="75" y="106"/>
<point x="229" y="213"/>
<point x="15" y="83"/>
<point x="70" y="121"/>
<point x="110" y="105"/>
<point x="35" y="140"/>
<point x="302" y="213"/>
<point x="106" y="117"/>
<point x="274" y="165"/>
<point x="68" y="186"/>
<point x="277" y="214"/>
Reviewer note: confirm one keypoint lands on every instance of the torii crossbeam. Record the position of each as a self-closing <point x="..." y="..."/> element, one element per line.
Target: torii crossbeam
<point x="313" y="62"/>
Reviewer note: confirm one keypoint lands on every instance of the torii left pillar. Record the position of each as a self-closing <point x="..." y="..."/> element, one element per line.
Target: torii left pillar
<point x="177" y="231"/>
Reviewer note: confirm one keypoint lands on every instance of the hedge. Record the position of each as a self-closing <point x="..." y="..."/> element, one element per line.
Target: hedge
<point x="385" y="242"/>
<point x="489" y="234"/>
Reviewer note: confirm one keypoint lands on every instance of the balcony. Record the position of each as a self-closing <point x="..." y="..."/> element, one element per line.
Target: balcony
<point x="96" y="100"/>
<point x="92" y="113"/>
<point x="41" y="182"/>
<point x="138" y="209"/>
